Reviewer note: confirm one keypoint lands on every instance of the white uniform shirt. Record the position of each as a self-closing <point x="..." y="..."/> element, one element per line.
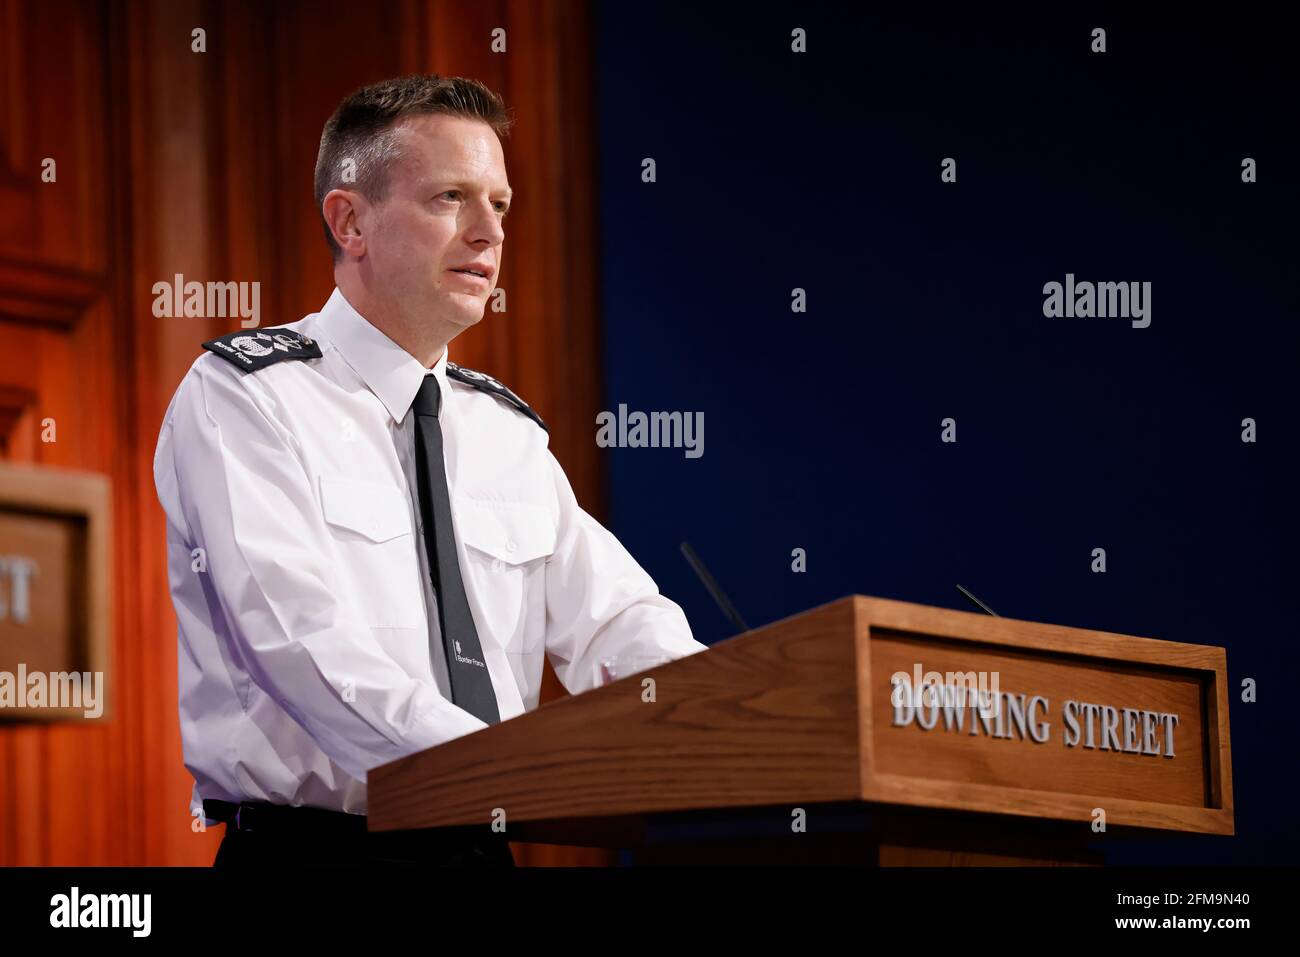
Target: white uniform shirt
<point x="300" y="579"/>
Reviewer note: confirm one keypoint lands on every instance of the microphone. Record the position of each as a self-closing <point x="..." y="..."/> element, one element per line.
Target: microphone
<point x="983" y="607"/>
<point x="719" y="596"/>
<point x="728" y="609"/>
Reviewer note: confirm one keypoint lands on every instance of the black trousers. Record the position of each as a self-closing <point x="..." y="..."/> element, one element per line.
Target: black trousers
<point x="272" y="849"/>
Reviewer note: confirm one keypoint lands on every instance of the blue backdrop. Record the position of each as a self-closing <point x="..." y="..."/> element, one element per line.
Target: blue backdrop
<point x="821" y="170"/>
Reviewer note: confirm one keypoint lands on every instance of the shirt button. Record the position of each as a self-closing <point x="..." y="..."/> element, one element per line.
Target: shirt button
<point x="511" y="545"/>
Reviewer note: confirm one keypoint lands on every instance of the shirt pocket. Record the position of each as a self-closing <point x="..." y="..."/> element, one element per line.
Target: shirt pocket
<point x="506" y="547"/>
<point x="371" y="525"/>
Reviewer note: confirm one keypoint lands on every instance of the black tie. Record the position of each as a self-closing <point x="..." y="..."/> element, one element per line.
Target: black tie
<point x="471" y="685"/>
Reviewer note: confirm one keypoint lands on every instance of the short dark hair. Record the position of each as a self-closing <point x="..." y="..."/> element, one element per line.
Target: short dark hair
<point x="362" y="130"/>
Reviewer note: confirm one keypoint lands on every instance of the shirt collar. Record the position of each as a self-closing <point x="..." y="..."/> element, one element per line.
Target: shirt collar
<point x="388" y="370"/>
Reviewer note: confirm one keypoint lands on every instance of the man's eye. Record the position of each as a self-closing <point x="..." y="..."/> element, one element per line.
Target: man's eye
<point x="455" y="193"/>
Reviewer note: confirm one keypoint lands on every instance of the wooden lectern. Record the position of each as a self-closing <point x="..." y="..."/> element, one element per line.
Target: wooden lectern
<point x="862" y="731"/>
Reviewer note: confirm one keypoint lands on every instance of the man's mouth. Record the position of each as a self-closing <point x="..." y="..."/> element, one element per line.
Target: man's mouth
<point x="474" y="278"/>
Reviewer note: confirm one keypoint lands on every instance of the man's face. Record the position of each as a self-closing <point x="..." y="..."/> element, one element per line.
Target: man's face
<point x="441" y="219"/>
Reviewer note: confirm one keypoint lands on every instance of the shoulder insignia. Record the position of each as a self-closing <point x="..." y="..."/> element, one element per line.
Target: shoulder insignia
<point x="485" y="383"/>
<point x="251" y="351"/>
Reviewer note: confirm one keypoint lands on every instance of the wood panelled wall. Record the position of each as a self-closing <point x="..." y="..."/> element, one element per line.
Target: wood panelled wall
<point x="174" y="161"/>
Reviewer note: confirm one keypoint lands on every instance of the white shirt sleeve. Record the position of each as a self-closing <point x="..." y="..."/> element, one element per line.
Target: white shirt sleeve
<point x="600" y="602"/>
<point x="241" y="493"/>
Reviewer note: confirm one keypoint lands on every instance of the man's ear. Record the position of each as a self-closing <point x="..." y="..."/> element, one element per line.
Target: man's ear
<point x="342" y="209"/>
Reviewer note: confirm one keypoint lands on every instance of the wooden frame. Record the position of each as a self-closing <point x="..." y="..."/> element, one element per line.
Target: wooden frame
<point x="84" y="495"/>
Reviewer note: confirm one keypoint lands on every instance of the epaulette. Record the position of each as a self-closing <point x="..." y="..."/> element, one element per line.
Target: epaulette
<point x="251" y="351"/>
<point x="485" y="383"/>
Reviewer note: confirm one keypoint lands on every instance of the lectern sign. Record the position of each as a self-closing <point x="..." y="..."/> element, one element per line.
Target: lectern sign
<point x="960" y="706"/>
<point x="1054" y="722"/>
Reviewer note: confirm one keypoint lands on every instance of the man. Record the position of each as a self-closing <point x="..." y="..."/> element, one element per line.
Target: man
<point x="371" y="548"/>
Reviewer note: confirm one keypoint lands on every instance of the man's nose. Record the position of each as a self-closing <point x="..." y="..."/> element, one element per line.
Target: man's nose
<point x="486" y="226"/>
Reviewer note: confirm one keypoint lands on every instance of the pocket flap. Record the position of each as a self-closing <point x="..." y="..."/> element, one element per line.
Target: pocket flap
<point x="513" y="533"/>
<point x="371" y="509"/>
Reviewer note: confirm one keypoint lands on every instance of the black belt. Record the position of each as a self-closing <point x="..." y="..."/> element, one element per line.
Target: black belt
<point x="260" y="816"/>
